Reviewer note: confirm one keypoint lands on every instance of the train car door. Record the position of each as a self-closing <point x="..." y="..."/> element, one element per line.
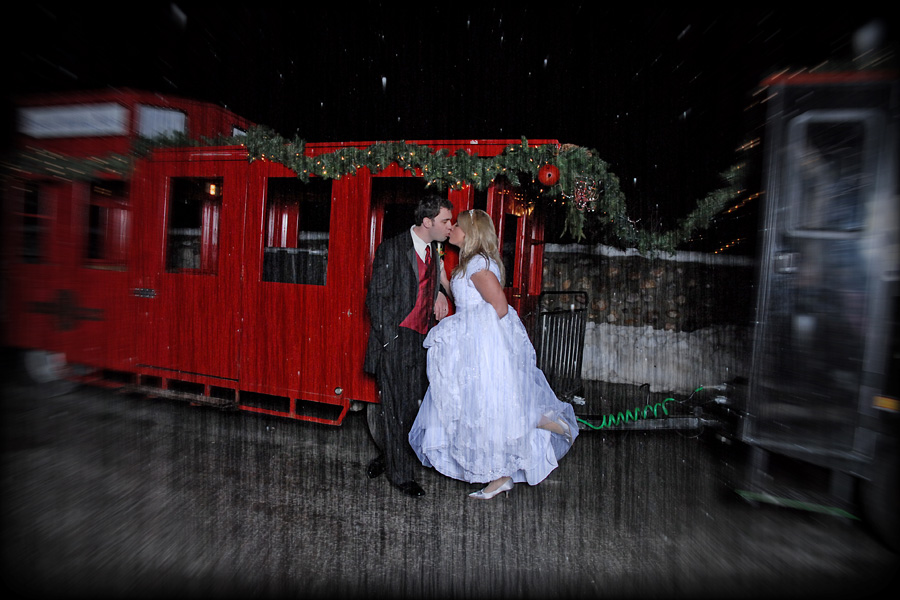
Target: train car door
<point x="829" y="257"/>
<point x="189" y="207"/>
<point x="304" y="263"/>
<point x="521" y="235"/>
<point x="38" y="270"/>
<point x="510" y="207"/>
<point x="393" y="206"/>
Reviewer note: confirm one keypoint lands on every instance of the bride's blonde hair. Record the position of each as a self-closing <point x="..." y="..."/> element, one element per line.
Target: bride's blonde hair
<point x="481" y="240"/>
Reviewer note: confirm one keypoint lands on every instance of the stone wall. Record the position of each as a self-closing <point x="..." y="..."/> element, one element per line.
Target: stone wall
<point x="672" y="321"/>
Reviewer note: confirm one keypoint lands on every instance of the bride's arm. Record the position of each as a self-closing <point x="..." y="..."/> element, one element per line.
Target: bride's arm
<point x="488" y="286"/>
<point x="445" y="283"/>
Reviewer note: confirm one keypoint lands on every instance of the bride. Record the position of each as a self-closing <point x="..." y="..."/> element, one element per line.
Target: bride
<point x="489" y="415"/>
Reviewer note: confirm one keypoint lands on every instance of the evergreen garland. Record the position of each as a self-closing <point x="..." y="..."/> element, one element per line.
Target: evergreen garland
<point x="39" y="161"/>
<point x="439" y="169"/>
<point x="443" y="170"/>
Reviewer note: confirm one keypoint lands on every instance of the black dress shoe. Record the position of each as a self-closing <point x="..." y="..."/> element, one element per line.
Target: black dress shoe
<point x="376" y="467"/>
<point x="411" y="488"/>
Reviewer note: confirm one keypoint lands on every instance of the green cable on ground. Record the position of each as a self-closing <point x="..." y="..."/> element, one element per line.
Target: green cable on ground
<point x="634" y="414"/>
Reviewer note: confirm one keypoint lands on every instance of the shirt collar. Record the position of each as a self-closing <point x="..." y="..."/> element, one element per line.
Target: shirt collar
<point x="418" y="243"/>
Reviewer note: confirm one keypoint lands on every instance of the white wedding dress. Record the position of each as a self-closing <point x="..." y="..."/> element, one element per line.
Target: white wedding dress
<point x="486" y="397"/>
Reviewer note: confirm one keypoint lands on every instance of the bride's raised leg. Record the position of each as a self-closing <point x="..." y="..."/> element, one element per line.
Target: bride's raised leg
<point x="557" y="427"/>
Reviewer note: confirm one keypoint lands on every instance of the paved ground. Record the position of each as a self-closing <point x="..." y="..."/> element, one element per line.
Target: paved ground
<point x="106" y="495"/>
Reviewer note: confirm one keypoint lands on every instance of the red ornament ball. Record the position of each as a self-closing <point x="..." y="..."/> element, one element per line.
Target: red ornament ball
<point x="548" y="174"/>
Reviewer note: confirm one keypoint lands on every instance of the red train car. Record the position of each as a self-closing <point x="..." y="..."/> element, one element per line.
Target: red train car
<point x="200" y="274"/>
<point x="96" y="124"/>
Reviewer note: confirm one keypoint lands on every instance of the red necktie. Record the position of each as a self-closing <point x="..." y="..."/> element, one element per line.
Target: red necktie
<point x="427" y="255"/>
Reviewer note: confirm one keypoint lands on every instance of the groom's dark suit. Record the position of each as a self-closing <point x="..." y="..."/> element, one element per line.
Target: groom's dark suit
<point x="395" y="354"/>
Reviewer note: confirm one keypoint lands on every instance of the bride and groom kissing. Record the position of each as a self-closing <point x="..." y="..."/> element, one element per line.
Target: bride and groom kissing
<point x="460" y="393"/>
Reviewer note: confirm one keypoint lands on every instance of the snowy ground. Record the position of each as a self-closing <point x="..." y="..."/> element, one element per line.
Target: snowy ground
<point x="669" y="361"/>
<point x="676" y="362"/>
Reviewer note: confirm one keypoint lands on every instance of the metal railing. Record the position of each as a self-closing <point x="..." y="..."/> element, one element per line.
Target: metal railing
<point x="559" y="340"/>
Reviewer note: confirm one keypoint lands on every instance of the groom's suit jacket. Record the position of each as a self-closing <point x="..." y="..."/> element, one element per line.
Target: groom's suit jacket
<point x="392" y="292"/>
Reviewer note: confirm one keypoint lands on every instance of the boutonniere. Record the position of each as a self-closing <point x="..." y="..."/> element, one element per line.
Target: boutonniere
<point x="440" y="247"/>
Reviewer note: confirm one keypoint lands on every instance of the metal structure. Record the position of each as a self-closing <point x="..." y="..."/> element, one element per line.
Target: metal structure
<point x="559" y="341"/>
<point x="817" y="423"/>
<point x="823" y="389"/>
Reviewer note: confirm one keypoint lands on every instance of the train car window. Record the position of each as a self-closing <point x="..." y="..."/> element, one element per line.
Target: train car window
<point x="108" y="226"/>
<point x="516" y="205"/>
<point x="154" y="121"/>
<point x="192" y="244"/>
<point x="479" y="199"/>
<point x="297" y="231"/>
<point x="70" y="121"/>
<point x="831" y="156"/>
<point x="397" y="198"/>
<point x="34" y="223"/>
<point x="508" y="247"/>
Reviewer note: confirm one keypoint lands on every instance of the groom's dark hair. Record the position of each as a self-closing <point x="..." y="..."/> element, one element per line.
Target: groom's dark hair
<point x="430" y="206"/>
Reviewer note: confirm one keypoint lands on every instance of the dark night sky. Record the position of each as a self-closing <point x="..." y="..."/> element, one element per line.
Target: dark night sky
<point x="660" y="92"/>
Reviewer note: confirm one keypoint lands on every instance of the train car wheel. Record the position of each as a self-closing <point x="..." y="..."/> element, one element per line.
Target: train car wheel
<point x="880" y="498"/>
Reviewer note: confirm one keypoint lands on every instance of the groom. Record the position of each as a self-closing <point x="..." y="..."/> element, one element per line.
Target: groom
<point x="406" y="294"/>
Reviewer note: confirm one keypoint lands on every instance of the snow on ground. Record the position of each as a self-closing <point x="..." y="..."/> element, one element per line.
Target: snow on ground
<point x="669" y="361"/>
<point x="677" y="362"/>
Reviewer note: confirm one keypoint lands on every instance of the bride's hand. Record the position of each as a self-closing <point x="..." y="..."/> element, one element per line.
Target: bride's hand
<point x="441" y="306"/>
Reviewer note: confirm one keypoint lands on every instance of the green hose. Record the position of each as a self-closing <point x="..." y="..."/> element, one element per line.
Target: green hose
<point x="634" y="414"/>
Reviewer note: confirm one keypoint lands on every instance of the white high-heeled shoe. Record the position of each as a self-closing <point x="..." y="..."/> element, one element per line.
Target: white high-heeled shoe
<point x="567" y="433"/>
<point x="482" y="495"/>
